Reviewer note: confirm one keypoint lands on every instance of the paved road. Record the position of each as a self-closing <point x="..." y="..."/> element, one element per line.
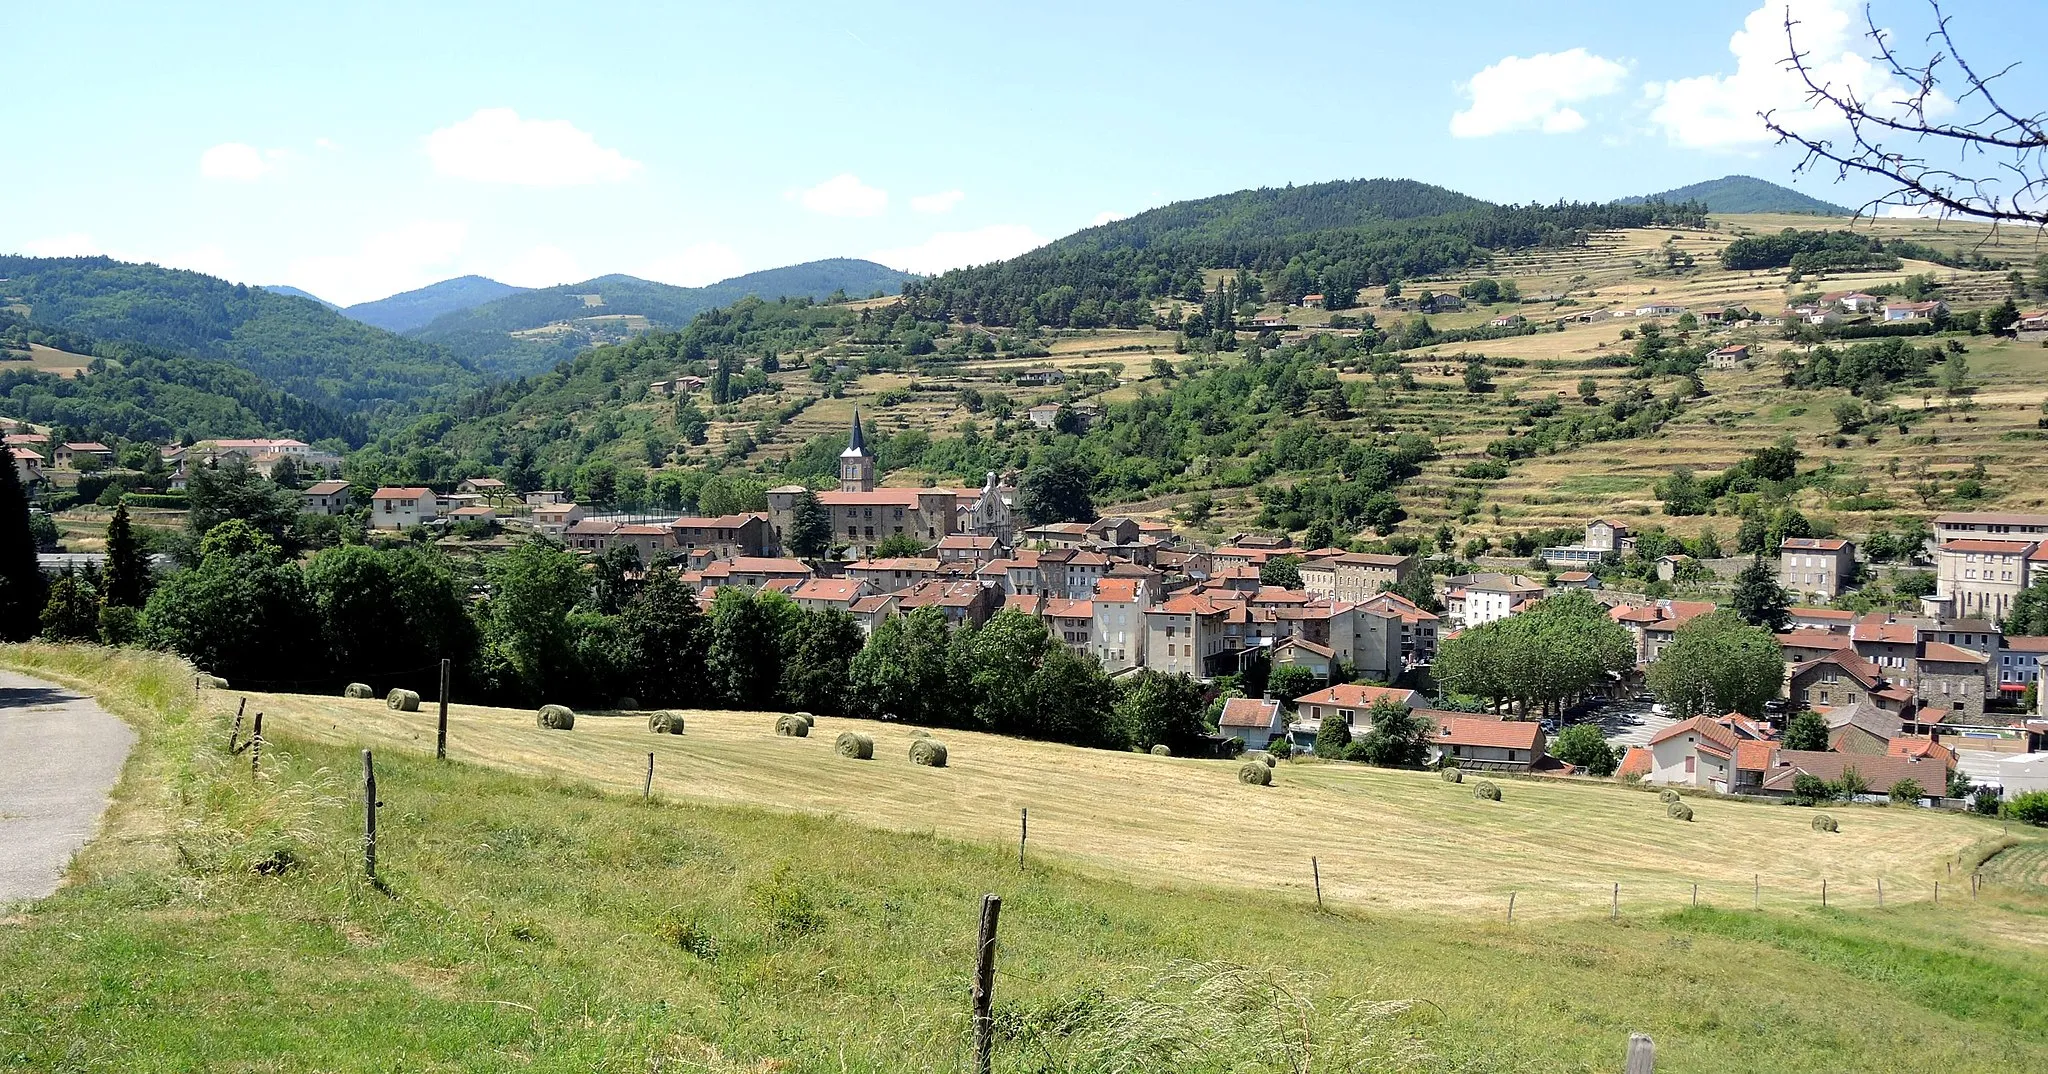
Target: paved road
<point x="60" y="754"/>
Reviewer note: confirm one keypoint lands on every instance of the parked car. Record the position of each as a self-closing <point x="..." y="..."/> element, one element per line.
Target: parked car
<point x="1645" y="698"/>
<point x="1660" y="709"/>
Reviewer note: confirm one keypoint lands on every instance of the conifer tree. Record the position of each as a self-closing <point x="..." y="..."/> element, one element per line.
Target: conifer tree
<point x="22" y="586"/>
<point x="127" y="573"/>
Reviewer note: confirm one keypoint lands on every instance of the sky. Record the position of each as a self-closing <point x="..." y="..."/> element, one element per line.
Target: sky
<point x="360" y="150"/>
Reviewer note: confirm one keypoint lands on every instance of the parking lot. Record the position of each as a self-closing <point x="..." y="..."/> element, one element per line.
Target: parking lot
<point x="1629" y="723"/>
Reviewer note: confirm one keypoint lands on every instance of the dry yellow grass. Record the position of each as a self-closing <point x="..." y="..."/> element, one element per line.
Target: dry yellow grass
<point x="45" y="360"/>
<point x="1395" y="840"/>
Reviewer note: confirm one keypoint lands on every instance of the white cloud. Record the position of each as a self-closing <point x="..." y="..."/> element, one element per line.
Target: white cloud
<point x="1107" y="216"/>
<point x="694" y="265"/>
<point x="496" y="146"/>
<point x="1532" y="93"/>
<point x="327" y="144"/>
<point x="1721" y="111"/>
<point x="941" y="202"/>
<point x="843" y="195"/>
<point x="542" y="266"/>
<point x="954" y="249"/>
<point x="239" y="162"/>
<point x="384" y="264"/>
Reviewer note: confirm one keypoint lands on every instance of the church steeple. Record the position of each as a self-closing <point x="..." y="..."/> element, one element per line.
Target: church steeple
<point x="856" y="465"/>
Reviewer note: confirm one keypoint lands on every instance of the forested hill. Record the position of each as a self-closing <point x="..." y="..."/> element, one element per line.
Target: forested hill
<point x="1274" y="212"/>
<point x="292" y="344"/>
<point x="1332" y="238"/>
<point x="293" y="292"/>
<point x="522" y="334"/>
<point x="417" y="308"/>
<point x="136" y="392"/>
<point x="1745" y="194"/>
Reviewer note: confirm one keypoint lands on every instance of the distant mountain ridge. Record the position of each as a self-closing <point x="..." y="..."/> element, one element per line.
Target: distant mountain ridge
<point x="304" y="348"/>
<point x="408" y="310"/>
<point x="293" y="292"/>
<point x="1745" y="194"/>
<point x="525" y="333"/>
<point x="1267" y="213"/>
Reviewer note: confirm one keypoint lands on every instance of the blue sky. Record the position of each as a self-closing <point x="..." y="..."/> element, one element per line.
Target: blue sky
<point x="360" y="152"/>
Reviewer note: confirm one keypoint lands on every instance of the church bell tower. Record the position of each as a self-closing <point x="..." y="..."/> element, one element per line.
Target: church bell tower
<point x="856" y="465"/>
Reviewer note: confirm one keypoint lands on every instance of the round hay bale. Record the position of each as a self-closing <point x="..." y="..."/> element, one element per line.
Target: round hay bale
<point x="1256" y="774"/>
<point x="628" y="704"/>
<point x="1271" y="761"/>
<point x="359" y="690"/>
<point x="1667" y="795"/>
<point x="854" y="746"/>
<point x="928" y="751"/>
<point x="665" y="722"/>
<point x="555" y="718"/>
<point x="1824" y="823"/>
<point x="1162" y="750"/>
<point x="793" y="726"/>
<point x="919" y="732"/>
<point x="403" y="700"/>
<point x="216" y="682"/>
<point x="808" y="719"/>
<point x="1678" y="811"/>
<point x="1452" y="775"/>
<point x="1486" y="789"/>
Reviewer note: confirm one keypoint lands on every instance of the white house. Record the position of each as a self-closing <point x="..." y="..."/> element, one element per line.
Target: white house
<point x="1914" y="311"/>
<point x="396" y="509"/>
<point x="325" y="498"/>
<point x="1255" y="720"/>
<point x="1694" y="753"/>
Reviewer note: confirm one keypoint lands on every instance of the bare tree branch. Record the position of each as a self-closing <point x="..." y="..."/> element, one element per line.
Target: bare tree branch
<point x="1885" y="138"/>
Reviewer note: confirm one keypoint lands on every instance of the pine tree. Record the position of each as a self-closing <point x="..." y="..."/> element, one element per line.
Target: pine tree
<point x="1758" y="597"/>
<point x="127" y="574"/>
<point x="22" y="585"/>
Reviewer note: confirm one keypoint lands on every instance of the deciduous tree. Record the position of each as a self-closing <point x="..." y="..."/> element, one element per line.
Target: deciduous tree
<point x="1717" y="664"/>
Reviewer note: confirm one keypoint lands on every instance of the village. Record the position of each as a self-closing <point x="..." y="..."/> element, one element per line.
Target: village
<point x="1928" y="701"/>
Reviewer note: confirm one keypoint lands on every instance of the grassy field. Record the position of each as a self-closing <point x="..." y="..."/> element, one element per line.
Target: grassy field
<point x="541" y="923"/>
<point x="1385" y="839"/>
<point x="44" y="360"/>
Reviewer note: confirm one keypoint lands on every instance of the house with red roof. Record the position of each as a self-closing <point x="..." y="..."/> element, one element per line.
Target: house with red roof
<point x="399" y="508"/>
<point x="1353" y="702"/>
<point x="1699" y="752"/>
<point x="1119" y="628"/>
<point x="1476" y="742"/>
<point x="1256" y="720"/>
<point x="1818" y="567"/>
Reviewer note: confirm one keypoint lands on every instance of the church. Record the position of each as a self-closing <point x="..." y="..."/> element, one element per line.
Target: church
<point x="862" y="515"/>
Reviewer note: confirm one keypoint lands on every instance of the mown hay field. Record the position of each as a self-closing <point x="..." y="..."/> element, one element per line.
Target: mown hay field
<point x="1393" y="839"/>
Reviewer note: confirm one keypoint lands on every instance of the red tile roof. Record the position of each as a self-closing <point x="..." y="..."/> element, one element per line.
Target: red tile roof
<point x="1921" y="747"/>
<point x="1116" y="590"/>
<point x="1502" y="734"/>
<point x="1752" y="756"/>
<point x="1943" y="653"/>
<point x="1812" y="544"/>
<point x="1973" y="544"/>
<point x="1248" y="712"/>
<point x="1636" y="762"/>
<point x="1708" y="731"/>
<point x="1353" y="695"/>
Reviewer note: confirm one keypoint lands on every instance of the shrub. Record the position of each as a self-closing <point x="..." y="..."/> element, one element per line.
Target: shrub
<point x="1824" y="823"/>
<point x="555" y="718"/>
<point x="359" y="691"/>
<point x="2029" y="808"/>
<point x="1668" y="795"/>
<point x="626" y="704"/>
<point x="790" y="909"/>
<point x="929" y="752"/>
<point x="1907" y="791"/>
<point x="794" y="726"/>
<point x="1452" y="775"/>
<point x="1233" y="748"/>
<point x="685" y="934"/>
<point x="1486" y="789"/>
<point x="1256" y="774"/>
<point x="403" y="700"/>
<point x="1162" y="750"/>
<point x="1678" y="811"/>
<point x="665" y="722"/>
<point x="854" y="746"/>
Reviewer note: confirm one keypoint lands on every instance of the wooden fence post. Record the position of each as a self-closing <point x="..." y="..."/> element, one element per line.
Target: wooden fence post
<point x="1615" y="912"/>
<point x="1823" y="893"/>
<point x="1756" y="891"/>
<point x="1880" y="893"/>
<point x="985" y="983"/>
<point x="235" y="732"/>
<point x="256" y="745"/>
<point x="1317" y="869"/>
<point x="1937" y="893"/>
<point x="1511" y="907"/>
<point x="1023" y="833"/>
<point x="647" y="789"/>
<point x="369" y="818"/>
<point x="1642" y="1054"/>
<point x="1695" y="894"/>
<point x="441" y="728"/>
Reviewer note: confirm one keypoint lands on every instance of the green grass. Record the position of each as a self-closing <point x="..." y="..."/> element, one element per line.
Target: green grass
<point x="1599" y="484"/>
<point x="542" y="925"/>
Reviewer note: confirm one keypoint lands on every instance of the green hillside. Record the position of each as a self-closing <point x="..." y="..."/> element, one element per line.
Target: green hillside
<point x="414" y="309"/>
<point x="1744" y="194"/>
<point x="531" y="331"/>
<point x="295" y="345"/>
<point x="1326" y="238"/>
